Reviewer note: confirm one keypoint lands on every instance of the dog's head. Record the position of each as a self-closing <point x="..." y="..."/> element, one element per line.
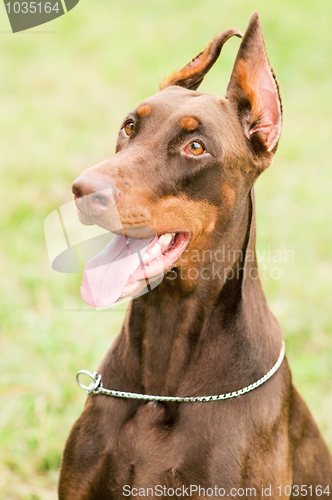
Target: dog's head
<point x="184" y="165"/>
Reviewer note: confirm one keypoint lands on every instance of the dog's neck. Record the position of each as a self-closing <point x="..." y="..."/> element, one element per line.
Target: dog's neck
<point x="168" y="327"/>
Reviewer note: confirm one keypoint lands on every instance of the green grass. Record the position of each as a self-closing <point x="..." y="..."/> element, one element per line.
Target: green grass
<point x="63" y="96"/>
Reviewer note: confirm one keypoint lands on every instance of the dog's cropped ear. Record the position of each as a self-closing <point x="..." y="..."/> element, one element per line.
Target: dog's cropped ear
<point x="191" y="76"/>
<point x="254" y="91"/>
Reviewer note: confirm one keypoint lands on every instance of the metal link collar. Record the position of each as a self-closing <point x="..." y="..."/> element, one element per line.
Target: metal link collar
<point x="96" y="387"/>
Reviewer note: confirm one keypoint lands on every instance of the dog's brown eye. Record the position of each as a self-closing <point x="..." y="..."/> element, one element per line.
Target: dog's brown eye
<point x="129" y="127"/>
<point x="195" y="148"/>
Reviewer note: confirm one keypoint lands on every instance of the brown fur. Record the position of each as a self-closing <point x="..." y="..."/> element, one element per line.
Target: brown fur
<point x="206" y="328"/>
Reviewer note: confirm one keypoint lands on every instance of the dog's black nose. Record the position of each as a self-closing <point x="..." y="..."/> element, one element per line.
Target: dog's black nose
<point x="94" y="194"/>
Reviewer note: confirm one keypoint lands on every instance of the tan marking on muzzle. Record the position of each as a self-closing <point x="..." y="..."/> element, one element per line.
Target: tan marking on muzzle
<point x="179" y="213"/>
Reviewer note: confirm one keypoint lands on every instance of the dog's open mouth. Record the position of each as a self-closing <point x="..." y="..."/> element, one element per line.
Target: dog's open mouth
<point x="164" y="250"/>
<point x="125" y="266"/>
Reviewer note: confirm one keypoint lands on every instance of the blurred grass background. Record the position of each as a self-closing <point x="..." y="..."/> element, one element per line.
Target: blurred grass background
<point x="63" y="96"/>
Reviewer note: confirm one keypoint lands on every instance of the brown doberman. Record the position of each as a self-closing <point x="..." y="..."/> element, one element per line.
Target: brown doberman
<point x="185" y="165"/>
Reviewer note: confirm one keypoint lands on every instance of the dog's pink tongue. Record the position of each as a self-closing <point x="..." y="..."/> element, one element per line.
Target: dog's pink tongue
<point x="106" y="274"/>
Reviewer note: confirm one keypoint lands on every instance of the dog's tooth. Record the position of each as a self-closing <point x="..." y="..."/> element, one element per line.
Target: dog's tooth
<point x="145" y="257"/>
<point x="165" y="239"/>
<point x="155" y="249"/>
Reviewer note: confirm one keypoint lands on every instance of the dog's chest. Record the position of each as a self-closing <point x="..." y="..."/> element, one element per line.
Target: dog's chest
<point x="203" y="445"/>
<point x="151" y="450"/>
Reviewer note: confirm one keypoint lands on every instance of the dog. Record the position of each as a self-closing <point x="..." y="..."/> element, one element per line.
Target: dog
<point x="181" y="182"/>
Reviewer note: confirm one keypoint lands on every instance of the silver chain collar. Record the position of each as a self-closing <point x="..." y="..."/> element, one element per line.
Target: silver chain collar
<point x="96" y="387"/>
